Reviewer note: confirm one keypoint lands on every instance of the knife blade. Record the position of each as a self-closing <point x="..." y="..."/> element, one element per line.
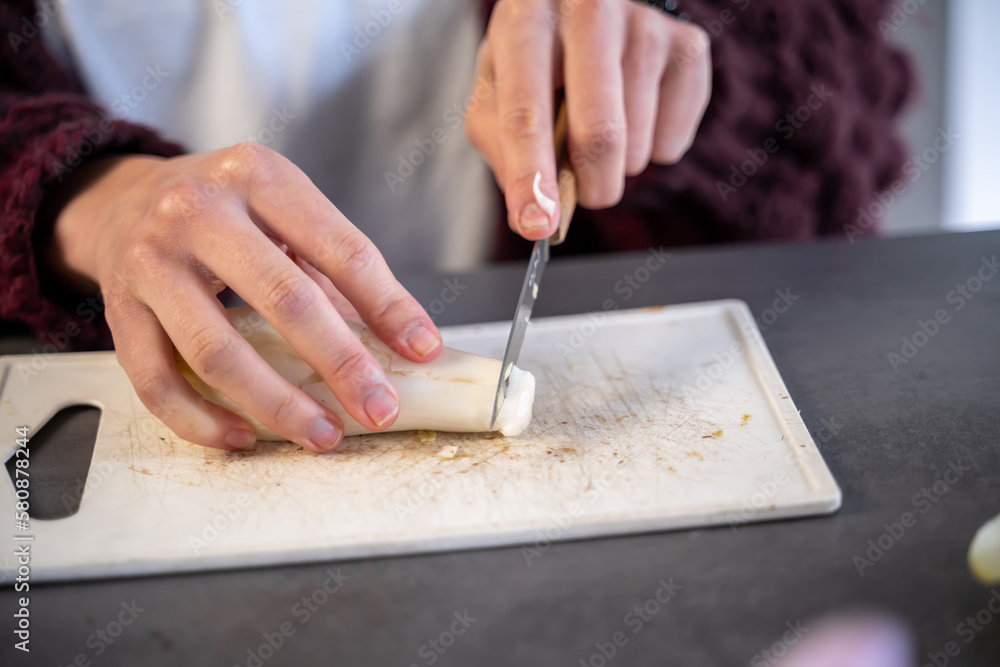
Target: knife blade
<point x="525" y="303"/>
<point x="536" y="264"/>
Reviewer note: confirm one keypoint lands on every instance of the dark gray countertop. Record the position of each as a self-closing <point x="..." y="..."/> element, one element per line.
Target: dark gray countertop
<point x="886" y="436"/>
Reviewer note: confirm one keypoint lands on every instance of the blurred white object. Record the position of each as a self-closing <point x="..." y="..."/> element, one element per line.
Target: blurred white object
<point x="984" y="553"/>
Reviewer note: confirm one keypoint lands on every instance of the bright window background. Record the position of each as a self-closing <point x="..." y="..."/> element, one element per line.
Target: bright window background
<point x="972" y="105"/>
<point x="956" y="46"/>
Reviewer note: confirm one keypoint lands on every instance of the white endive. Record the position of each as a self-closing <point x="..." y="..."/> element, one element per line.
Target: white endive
<point x="455" y="392"/>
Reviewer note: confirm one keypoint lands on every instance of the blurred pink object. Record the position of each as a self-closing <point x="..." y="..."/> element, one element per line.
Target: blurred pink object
<point x="862" y="640"/>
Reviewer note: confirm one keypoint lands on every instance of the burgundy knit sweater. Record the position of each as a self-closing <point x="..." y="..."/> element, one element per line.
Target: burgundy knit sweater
<point x="771" y="58"/>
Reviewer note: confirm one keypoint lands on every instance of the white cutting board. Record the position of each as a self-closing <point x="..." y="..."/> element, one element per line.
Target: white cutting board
<point x="644" y="420"/>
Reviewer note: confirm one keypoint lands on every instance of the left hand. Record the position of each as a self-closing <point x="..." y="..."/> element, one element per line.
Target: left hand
<point x="637" y="83"/>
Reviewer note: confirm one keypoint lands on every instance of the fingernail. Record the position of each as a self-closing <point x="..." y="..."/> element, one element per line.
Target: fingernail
<point x="422" y="340"/>
<point x="545" y="202"/>
<point x="324" y="434"/>
<point x="240" y="439"/>
<point x="533" y="218"/>
<point x="380" y="406"/>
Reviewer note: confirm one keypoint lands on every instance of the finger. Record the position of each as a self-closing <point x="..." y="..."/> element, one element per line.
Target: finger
<point x="481" y="122"/>
<point x="684" y="93"/>
<point x="286" y="204"/>
<point x="298" y="309"/>
<point x="523" y="41"/>
<point x="593" y="40"/>
<point x="221" y="357"/>
<point x="339" y="301"/>
<point x="643" y="66"/>
<point x="147" y="356"/>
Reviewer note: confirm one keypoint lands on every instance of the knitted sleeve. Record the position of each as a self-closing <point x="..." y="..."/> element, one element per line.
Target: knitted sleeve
<point x="798" y="139"/>
<point x="48" y="128"/>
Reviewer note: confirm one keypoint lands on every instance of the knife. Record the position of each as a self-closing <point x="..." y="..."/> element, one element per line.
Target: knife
<point x="539" y="258"/>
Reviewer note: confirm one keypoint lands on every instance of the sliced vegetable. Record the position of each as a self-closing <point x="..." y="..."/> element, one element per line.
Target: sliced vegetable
<point x="455" y="392"/>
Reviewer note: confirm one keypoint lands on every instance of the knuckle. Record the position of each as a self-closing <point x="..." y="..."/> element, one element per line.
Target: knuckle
<point x="691" y="41"/>
<point x="596" y="138"/>
<point x="147" y="253"/>
<point x="507" y="13"/>
<point x="597" y="12"/>
<point x="180" y="200"/>
<point x="212" y="351"/>
<point x="248" y="162"/>
<point x="523" y="121"/>
<point x="647" y="40"/>
<point x="288" y="294"/>
<point x="152" y="387"/>
<point x="390" y="306"/>
<point x="355" y="252"/>
<point x="352" y="364"/>
<point x="283" y="409"/>
<point x="119" y="301"/>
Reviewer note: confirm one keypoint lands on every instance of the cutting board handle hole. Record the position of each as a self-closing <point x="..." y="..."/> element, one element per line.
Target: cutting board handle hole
<point x="60" y="453"/>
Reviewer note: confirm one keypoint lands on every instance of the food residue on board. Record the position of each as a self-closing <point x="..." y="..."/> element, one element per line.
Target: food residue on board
<point x="427" y="436"/>
<point x="716" y="435"/>
<point x="448" y="452"/>
<point x="746" y="418"/>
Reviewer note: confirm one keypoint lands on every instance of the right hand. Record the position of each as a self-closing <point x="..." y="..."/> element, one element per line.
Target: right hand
<point x="161" y="237"/>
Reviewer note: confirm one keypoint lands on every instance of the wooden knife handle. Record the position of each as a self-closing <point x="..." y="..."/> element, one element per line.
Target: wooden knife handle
<point x="565" y="175"/>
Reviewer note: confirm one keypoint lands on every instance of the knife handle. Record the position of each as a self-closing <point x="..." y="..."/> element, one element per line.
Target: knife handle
<point x="565" y="176"/>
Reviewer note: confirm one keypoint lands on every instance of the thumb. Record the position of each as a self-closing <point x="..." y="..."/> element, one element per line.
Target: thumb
<point x="533" y="204"/>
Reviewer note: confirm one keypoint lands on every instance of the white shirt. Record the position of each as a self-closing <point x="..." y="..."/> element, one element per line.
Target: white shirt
<point x="348" y="90"/>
